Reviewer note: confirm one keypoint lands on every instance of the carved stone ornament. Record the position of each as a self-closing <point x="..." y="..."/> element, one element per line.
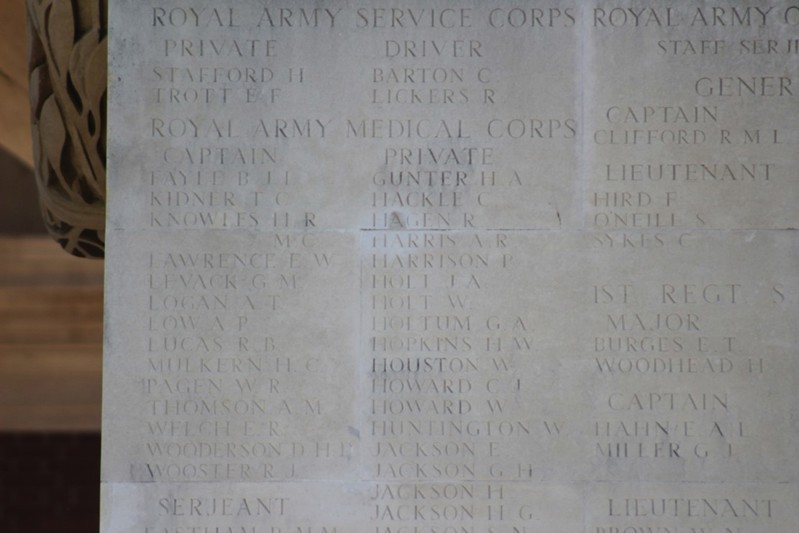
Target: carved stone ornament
<point x="67" y="61"/>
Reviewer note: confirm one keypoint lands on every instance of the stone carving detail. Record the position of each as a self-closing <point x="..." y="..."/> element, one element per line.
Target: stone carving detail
<point x="68" y="65"/>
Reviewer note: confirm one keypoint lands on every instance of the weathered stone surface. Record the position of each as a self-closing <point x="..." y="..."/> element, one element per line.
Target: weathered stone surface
<point x="460" y="267"/>
<point x="67" y="60"/>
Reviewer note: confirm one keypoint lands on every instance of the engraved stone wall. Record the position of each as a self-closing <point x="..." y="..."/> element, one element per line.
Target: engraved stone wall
<point x="452" y="267"/>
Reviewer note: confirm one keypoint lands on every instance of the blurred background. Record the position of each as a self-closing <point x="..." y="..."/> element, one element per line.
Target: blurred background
<point x="50" y="335"/>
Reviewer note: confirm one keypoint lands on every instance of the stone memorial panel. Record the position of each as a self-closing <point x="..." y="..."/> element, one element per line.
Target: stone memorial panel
<point x="452" y="266"/>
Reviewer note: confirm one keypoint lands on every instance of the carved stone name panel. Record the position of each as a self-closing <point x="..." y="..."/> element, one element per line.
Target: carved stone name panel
<point x="484" y="267"/>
